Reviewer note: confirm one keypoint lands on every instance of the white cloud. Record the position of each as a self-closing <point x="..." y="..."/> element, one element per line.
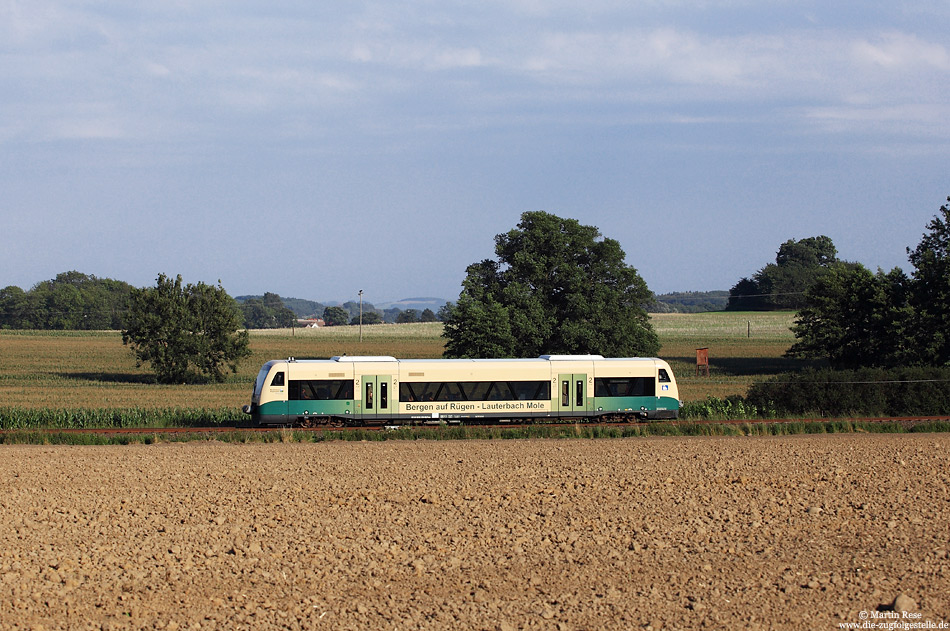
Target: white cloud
<point x="908" y="119"/>
<point x="182" y="62"/>
<point x="899" y="51"/>
<point x="457" y="58"/>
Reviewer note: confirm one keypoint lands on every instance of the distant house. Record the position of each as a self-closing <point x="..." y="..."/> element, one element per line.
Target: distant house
<point x="312" y="323"/>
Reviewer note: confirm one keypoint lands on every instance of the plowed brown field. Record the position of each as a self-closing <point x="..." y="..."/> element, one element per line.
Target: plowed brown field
<point x="800" y="532"/>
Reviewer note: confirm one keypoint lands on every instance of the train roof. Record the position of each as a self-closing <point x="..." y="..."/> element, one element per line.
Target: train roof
<point x="386" y="359"/>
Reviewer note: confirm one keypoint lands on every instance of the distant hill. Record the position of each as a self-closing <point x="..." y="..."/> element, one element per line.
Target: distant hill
<point x="690" y="302"/>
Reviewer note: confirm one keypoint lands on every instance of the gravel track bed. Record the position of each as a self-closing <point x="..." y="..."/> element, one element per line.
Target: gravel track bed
<point x="799" y="532"/>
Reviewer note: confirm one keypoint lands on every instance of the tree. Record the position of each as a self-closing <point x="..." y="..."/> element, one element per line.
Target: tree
<point x="407" y="316"/>
<point x="283" y="317"/>
<point x="855" y="318"/>
<point x="445" y="311"/>
<point x="478" y="328"/>
<point x="14" y="308"/>
<point x="930" y="295"/>
<point x="256" y="315"/>
<point x="72" y="300"/>
<point x="428" y="315"/>
<point x="782" y="285"/>
<point x="268" y="312"/>
<point x="369" y="317"/>
<point x="185" y="333"/>
<point x="335" y="316"/>
<point x="556" y="287"/>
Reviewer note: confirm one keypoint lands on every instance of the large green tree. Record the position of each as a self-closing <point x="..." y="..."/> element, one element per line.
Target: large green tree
<point x="185" y="333"/>
<point x="930" y="296"/>
<point x="855" y="318"/>
<point x="782" y="284"/>
<point x="556" y="287"/>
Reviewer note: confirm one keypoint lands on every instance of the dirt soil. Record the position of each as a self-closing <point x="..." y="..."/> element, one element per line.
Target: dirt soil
<point x="801" y="532"/>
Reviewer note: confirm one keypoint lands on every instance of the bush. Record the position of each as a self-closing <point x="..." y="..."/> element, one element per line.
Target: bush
<point x="923" y="391"/>
<point x="13" y="418"/>
<point x="730" y="408"/>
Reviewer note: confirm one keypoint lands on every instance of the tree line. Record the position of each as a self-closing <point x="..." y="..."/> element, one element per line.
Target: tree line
<point x="350" y="314"/>
<point x="854" y="317"/>
<point x="78" y="301"/>
<point x="271" y="311"/>
<point x="72" y="300"/>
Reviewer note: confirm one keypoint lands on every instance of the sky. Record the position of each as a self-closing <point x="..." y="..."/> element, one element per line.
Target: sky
<point x="314" y="149"/>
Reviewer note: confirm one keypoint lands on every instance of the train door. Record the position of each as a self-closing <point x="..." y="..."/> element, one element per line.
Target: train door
<point x="377" y="401"/>
<point x="574" y="394"/>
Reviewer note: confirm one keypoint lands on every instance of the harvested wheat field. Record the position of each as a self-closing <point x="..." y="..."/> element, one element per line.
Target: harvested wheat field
<point x="801" y="532"/>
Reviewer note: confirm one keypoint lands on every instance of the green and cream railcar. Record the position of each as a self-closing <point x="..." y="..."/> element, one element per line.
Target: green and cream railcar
<point x="385" y="390"/>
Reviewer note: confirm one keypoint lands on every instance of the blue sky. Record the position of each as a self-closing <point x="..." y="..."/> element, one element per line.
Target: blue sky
<point x="316" y="149"/>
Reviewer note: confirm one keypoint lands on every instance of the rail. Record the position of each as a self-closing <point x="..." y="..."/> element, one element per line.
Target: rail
<point x="904" y="421"/>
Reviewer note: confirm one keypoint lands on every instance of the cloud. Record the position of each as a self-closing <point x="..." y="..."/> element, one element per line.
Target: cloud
<point x="900" y="51"/>
<point x="928" y="121"/>
<point x="197" y="67"/>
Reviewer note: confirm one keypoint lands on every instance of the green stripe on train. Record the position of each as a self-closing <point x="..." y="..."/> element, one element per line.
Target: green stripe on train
<point x="635" y="404"/>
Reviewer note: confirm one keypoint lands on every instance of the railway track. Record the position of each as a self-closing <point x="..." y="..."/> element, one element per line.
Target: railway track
<point x="904" y="421"/>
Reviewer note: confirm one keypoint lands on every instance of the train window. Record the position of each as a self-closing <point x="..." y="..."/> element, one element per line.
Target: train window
<point x="278" y="380"/>
<point x="451" y="392"/>
<point x="624" y="387"/>
<point x="320" y="389"/>
<point x="421" y="391"/>
<point x="664" y="376"/>
<point x="383" y="395"/>
<point x="429" y="391"/>
<point x="530" y="390"/>
<point x="301" y="391"/>
<point x="475" y="391"/>
<point x="369" y="396"/>
<point x="580" y="393"/>
<point x="565" y="393"/>
<point x="500" y="391"/>
<point x="261" y="379"/>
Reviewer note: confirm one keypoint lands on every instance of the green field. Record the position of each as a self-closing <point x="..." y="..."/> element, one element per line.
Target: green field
<point x="743" y="348"/>
<point x="93" y="370"/>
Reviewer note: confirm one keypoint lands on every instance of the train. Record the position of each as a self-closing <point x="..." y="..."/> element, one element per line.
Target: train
<point x="382" y="390"/>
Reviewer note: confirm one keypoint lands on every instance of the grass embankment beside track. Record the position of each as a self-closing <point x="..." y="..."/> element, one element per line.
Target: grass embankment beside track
<point x="35" y="437"/>
<point x="79" y="379"/>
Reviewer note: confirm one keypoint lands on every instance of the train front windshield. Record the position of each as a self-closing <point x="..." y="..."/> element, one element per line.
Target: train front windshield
<point x="259" y="383"/>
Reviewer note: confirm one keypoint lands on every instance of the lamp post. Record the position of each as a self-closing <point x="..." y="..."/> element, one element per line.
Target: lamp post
<point x="361" y="316"/>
